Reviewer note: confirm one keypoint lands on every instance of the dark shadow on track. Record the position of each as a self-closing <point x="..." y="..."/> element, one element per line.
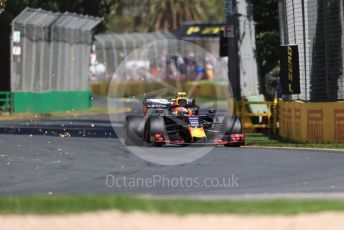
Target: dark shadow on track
<point x="74" y="128"/>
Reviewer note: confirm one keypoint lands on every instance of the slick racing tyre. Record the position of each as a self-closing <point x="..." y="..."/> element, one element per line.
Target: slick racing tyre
<point x="155" y="125"/>
<point x="134" y="128"/>
<point x="232" y="125"/>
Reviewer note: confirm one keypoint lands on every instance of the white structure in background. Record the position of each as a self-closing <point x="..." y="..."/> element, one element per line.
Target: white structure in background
<point x="247" y="46"/>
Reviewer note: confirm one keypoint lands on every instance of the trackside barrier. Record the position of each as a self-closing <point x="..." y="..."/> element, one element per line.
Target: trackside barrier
<point x="265" y="120"/>
<point x="321" y="122"/>
<point x="50" y="61"/>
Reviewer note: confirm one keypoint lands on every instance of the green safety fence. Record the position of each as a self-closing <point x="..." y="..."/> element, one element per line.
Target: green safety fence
<point x="51" y="101"/>
<point x="44" y="102"/>
<point x="5" y="101"/>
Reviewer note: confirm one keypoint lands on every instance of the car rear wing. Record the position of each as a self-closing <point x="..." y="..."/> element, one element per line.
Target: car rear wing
<point x="157" y="103"/>
<point x="162" y="104"/>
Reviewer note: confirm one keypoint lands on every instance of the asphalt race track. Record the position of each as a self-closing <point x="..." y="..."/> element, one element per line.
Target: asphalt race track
<point x="84" y="155"/>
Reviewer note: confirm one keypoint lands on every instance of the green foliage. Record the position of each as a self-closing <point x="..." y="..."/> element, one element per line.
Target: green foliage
<point x="171" y="14"/>
<point x="128" y="16"/>
<point x="267" y="43"/>
<point x="147" y="15"/>
<point x="259" y="139"/>
<point x="267" y="36"/>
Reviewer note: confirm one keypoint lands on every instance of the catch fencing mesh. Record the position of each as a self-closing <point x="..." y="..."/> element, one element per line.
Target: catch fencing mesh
<point x="51" y="51"/>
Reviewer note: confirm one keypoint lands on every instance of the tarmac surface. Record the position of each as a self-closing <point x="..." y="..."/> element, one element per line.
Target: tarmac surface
<point x="84" y="156"/>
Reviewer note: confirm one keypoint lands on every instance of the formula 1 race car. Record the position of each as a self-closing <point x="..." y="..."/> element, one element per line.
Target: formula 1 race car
<point x="178" y="121"/>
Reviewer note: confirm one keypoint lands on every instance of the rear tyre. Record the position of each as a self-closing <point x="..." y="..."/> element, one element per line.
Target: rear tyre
<point x="155" y="125"/>
<point x="134" y="130"/>
<point x="232" y="125"/>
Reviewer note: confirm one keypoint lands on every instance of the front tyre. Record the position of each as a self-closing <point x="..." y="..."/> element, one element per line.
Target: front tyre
<point x="134" y="127"/>
<point x="155" y="131"/>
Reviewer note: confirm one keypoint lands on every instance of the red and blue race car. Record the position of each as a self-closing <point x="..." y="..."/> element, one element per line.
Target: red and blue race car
<point x="178" y="121"/>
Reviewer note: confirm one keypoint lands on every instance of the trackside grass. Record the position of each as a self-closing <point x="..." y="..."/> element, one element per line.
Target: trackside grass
<point x="259" y="139"/>
<point x="89" y="203"/>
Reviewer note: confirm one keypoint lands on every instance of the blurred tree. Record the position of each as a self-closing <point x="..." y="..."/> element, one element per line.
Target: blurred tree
<point x="215" y="11"/>
<point x="267" y="37"/>
<point x="171" y="14"/>
<point x="128" y="16"/>
<point x="151" y="15"/>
